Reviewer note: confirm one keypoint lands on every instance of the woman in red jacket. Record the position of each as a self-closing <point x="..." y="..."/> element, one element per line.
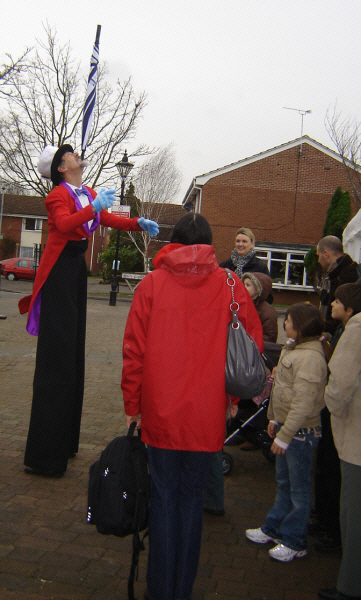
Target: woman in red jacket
<point x="173" y="381"/>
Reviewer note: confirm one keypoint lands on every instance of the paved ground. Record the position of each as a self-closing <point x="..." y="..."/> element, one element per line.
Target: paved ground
<point x="47" y="551"/>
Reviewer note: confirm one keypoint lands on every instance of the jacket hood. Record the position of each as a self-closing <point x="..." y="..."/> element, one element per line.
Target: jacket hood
<point x="190" y="264"/>
<point x="343" y="264"/>
<point x="159" y="257"/>
<point x="311" y="343"/>
<point x="262" y="283"/>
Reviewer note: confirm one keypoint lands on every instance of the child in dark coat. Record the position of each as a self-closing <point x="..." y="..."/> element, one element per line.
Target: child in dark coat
<point x="259" y="285"/>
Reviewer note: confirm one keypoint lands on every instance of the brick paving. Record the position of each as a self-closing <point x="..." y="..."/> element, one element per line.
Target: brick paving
<point x="47" y="551"/>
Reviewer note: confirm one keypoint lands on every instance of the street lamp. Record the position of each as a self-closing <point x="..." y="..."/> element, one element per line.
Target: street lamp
<point x="3" y="190"/>
<point x="124" y="167"/>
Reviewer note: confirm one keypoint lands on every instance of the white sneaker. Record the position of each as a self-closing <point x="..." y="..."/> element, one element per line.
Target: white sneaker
<point x="285" y="554"/>
<point x="257" y="536"/>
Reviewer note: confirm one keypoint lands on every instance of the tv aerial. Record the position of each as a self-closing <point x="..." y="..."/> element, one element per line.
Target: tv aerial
<point x="302" y="113"/>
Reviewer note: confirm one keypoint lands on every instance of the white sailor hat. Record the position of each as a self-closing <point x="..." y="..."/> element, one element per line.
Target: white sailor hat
<point x="50" y="160"/>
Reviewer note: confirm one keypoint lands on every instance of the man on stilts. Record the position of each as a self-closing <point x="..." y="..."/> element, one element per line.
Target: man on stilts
<point x="57" y="309"/>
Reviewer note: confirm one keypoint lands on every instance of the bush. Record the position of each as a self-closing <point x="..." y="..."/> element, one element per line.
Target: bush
<point x="338" y="214"/>
<point x="313" y="268"/>
<point x="129" y="258"/>
<point x="8" y="248"/>
<point x="337" y="217"/>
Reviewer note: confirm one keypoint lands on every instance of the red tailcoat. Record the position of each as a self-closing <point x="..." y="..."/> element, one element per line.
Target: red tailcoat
<point x="66" y="223"/>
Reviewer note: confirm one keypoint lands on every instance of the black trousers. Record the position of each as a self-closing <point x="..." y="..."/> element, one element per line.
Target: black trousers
<point x="328" y="480"/>
<point x="58" y="386"/>
<point x="349" y="577"/>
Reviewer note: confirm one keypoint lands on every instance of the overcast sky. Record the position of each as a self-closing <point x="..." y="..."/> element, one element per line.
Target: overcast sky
<point x="217" y="74"/>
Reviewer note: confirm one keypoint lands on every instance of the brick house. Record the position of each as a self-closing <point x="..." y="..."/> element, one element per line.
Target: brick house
<point x="25" y="222"/>
<point x="282" y="194"/>
<point x="171" y="213"/>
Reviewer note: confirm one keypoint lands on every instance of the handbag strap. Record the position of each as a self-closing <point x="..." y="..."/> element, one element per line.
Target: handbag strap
<point x="234" y="306"/>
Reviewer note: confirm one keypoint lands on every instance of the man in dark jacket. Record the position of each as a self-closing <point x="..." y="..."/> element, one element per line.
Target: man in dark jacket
<point x="338" y="268"/>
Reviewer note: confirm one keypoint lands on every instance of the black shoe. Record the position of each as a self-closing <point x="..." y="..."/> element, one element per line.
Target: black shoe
<point x="34" y="471"/>
<point x="327" y="544"/>
<point x="315" y="526"/>
<point x="216" y="513"/>
<point x="334" y="594"/>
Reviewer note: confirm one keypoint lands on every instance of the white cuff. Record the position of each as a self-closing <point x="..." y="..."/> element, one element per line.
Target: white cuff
<point x="281" y="444"/>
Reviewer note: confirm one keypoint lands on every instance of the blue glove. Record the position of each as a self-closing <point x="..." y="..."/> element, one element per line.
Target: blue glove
<point x="105" y="199"/>
<point x="147" y="225"/>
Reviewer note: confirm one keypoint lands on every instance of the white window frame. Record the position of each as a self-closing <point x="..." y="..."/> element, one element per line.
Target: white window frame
<point x="38" y="224"/>
<point x="285" y="285"/>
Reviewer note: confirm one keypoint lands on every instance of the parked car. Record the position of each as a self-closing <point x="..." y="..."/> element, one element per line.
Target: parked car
<point x="18" y="268"/>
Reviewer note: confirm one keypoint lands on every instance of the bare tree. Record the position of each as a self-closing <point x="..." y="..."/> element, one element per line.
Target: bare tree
<point x="156" y="184"/>
<point x="9" y="68"/>
<point x="44" y="106"/>
<point x="345" y="133"/>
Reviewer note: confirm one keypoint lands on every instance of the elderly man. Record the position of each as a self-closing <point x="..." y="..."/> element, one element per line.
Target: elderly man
<point x="338" y="268"/>
<point x="57" y="309"/>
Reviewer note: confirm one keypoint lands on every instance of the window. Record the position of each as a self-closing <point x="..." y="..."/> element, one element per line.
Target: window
<point x="27" y="251"/>
<point x="286" y="266"/>
<point x="33" y="224"/>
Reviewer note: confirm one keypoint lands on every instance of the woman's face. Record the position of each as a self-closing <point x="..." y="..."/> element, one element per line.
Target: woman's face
<point x="288" y="326"/>
<point x="243" y="244"/>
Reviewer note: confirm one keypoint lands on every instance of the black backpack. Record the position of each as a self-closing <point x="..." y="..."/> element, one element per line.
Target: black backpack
<point x="119" y="492"/>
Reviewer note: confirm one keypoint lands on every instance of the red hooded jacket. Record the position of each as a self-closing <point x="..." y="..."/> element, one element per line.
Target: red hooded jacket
<point x="174" y="349"/>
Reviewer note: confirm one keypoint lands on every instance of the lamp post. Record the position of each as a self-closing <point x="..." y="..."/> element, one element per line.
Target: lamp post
<point x="124" y="167"/>
<point x="3" y="190"/>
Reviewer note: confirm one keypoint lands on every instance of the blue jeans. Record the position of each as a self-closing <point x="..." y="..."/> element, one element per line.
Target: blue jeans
<point x="175" y="521"/>
<point x="288" y="518"/>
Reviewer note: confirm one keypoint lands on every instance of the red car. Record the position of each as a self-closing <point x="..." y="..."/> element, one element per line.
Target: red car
<point x="18" y="268"/>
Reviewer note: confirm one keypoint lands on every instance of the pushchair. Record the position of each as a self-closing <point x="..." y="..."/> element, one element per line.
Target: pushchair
<point x="250" y="423"/>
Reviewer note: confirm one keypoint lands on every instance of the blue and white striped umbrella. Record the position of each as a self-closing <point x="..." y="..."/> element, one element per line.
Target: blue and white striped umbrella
<point x="90" y="93"/>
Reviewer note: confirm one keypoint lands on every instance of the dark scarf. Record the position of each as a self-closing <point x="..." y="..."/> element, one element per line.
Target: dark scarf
<point x="240" y="262"/>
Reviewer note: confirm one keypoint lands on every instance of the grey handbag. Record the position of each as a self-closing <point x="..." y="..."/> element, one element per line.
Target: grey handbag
<point x="246" y="373"/>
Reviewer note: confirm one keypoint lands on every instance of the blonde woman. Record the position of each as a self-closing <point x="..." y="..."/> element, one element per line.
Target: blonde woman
<point x="243" y="258"/>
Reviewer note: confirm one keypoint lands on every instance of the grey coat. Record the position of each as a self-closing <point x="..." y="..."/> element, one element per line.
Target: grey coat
<point x="343" y="392"/>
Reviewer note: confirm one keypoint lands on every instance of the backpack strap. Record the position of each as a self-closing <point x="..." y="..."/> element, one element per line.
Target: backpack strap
<point x="140" y="508"/>
<point x="138" y="545"/>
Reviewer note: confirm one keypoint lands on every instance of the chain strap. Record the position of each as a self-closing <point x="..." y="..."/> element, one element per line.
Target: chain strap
<point x="234" y="306"/>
